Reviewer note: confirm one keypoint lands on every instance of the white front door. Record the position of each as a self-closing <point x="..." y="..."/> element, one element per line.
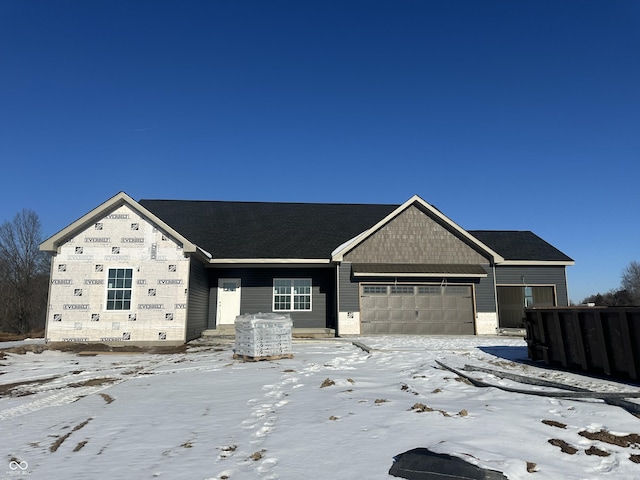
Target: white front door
<point x="228" y="301"/>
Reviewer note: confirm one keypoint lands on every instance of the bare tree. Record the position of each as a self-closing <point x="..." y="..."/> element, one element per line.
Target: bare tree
<point x="23" y="274"/>
<point x="631" y="281"/>
<point x="613" y="298"/>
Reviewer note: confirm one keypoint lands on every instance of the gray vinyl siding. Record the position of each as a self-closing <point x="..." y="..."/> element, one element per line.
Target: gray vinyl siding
<point x="486" y="292"/>
<point x="349" y="291"/>
<point x="535" y="275"/>
<point x="257" y="293"/>
<point x="198" y="300"/>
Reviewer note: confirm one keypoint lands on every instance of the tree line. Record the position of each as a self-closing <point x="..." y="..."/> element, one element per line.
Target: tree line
<point x="628" y="294"/>
<point x="24" y="275"/>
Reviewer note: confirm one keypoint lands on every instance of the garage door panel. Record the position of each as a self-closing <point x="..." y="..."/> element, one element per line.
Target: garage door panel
<point x="450" y="316"/>
<point x="452" y="303"/>
<point x="408" y="302"/>
<point x="459" y="328"/>
<point x="368" y="303"/>
<point x="421" y="309"/>
<point x="408" y="316"/>
<point x="410" y="329"/>
<point x="381" y="302"/>
<point x="429" y="316"/>
<point x="465" y="301"/>
<point x="457" y="290"/>
<point x="396" y="328"/>
<point x="450" y="329"/>
<point x="436" y="302"/>
<point x="395" y="302"/>
<point x="369" y="328"/>
<point x="382" y="328"/>
<point x="424" y="329"/>
<point x="444" y="329"/>
<point x="423" y="301"/>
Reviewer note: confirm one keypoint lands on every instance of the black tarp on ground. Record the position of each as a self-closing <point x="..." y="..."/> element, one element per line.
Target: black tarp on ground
<point x="423" y="464"/>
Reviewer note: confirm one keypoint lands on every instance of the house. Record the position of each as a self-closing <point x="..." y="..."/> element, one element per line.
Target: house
<point x="168" y="270"/>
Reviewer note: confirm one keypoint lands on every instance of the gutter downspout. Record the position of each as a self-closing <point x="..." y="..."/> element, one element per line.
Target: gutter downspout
<point x="495" y="296"/>
<point x="337" y="334"/>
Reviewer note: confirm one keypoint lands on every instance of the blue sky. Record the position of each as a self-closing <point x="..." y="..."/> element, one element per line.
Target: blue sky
<point x="514" y="115"/>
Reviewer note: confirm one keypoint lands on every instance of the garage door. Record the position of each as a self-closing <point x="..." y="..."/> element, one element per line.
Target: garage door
<point x="417" y="309"/>
<point x="512" y="301"/>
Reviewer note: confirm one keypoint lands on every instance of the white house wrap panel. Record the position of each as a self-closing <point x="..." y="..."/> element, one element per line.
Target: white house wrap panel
<point x="120" y="279"/>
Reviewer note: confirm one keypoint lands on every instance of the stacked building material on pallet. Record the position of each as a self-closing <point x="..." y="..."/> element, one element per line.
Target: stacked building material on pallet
<point x="263" y="336"/>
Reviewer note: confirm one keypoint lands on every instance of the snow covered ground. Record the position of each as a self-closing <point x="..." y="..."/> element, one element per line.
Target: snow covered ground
<point x="334" y="411"/>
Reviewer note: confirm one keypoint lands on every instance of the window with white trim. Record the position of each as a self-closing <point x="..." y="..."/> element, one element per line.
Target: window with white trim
<point x="119" y="288"/>
<point x="291" y="294"/>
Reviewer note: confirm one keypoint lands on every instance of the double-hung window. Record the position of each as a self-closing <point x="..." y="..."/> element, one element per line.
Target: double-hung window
<point x="292" y="294"/>
<point x="119" y="288"/>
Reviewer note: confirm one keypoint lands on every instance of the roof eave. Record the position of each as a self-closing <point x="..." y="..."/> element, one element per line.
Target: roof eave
<point x="258" y="261"/>
<point x="565" y="263"/>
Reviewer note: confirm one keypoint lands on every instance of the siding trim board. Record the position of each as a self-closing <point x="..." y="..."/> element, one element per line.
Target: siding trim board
<point x="417" y="270"/>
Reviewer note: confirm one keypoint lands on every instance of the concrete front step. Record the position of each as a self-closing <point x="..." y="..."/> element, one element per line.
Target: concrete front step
<point x="313" y="332"/>
<point x="229" y="331"/>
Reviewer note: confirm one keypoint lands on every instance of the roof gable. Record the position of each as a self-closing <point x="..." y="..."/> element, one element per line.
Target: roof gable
<point x="413" y="236"/>
<point x="415" y="201"/>
<point x="53" y="243"/>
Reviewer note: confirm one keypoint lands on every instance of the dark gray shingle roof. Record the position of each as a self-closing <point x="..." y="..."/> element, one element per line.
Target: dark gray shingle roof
<point x="265" y="229"/>
<point x="306" y="230"/>
<point x="520" y="245"/>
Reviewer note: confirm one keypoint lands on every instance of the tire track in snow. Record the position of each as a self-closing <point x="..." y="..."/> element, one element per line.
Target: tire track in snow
<point x="68" y="393"/>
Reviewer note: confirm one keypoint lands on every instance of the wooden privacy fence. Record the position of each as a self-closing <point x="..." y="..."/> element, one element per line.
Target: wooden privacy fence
<point x="598" y="340"/>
